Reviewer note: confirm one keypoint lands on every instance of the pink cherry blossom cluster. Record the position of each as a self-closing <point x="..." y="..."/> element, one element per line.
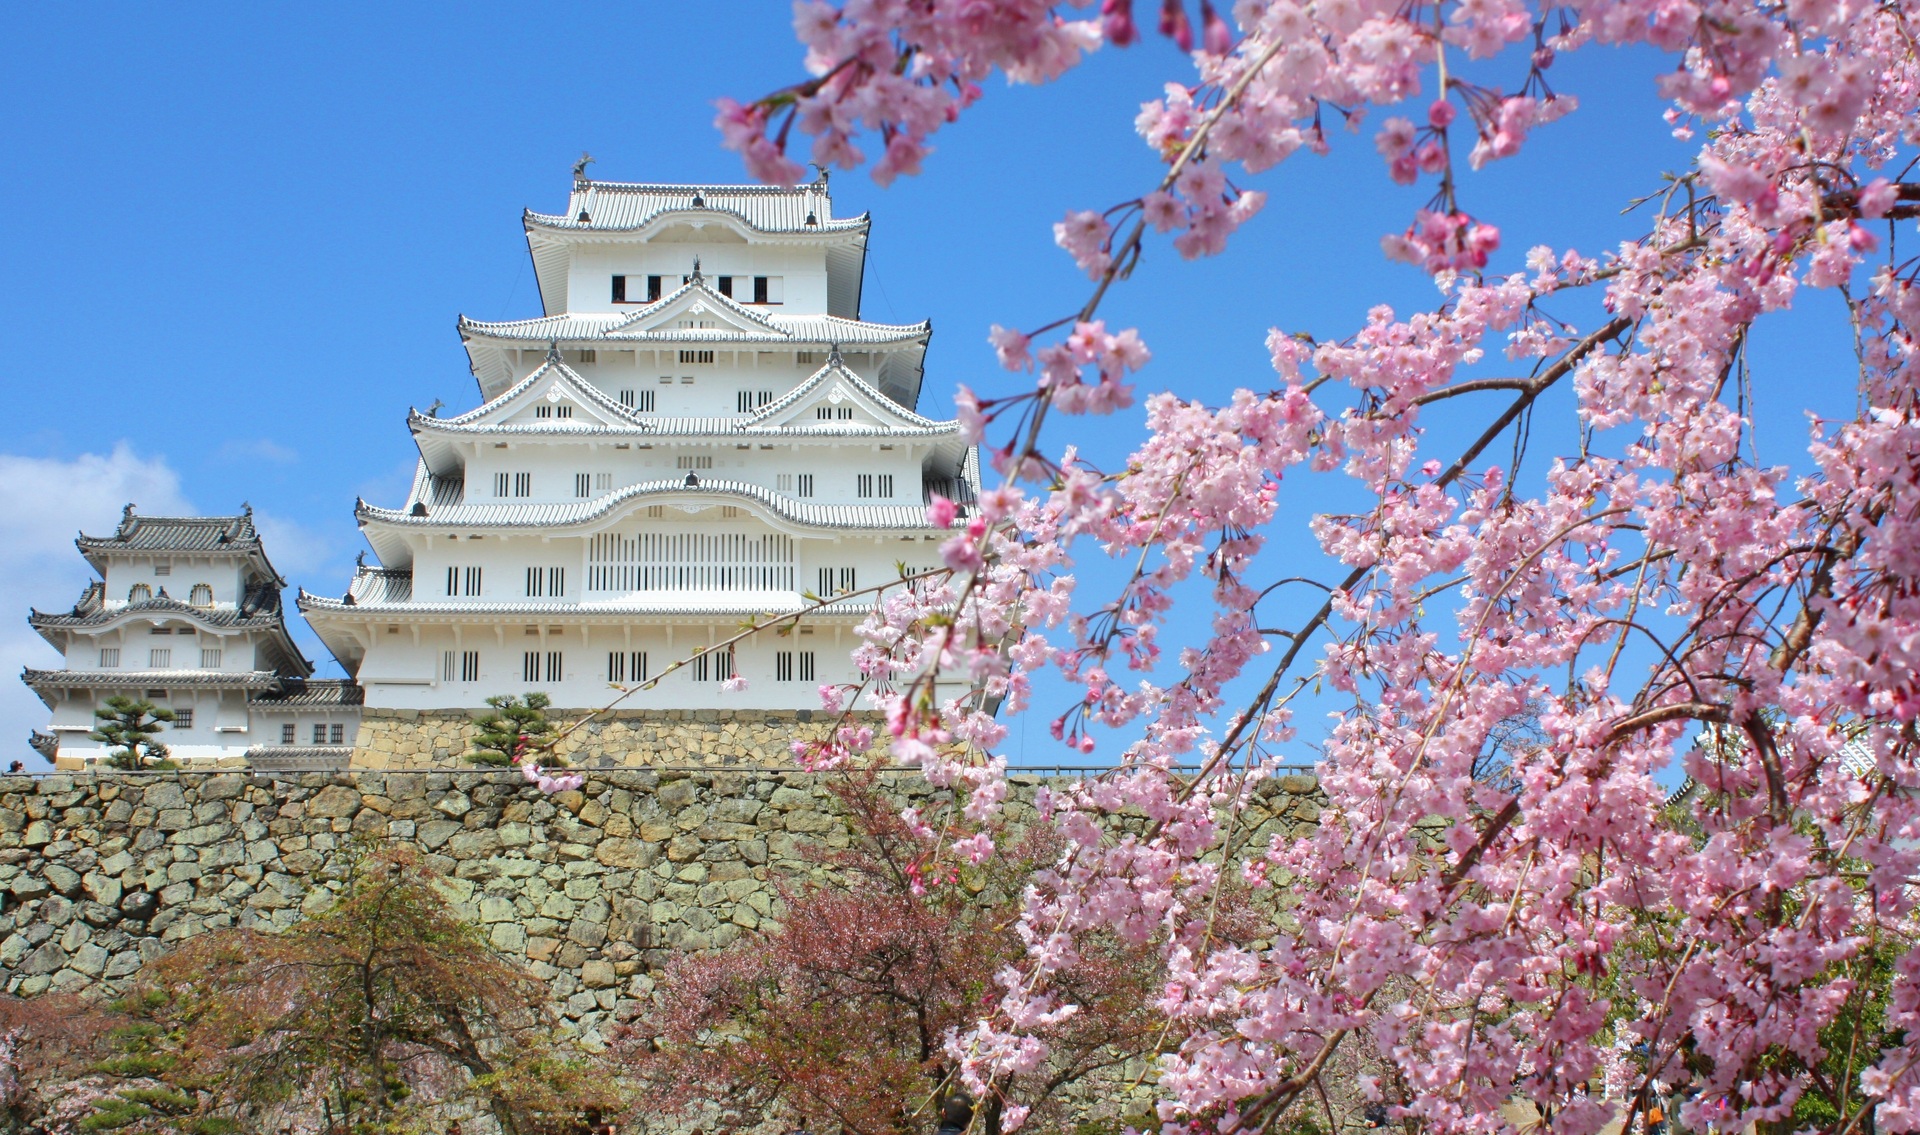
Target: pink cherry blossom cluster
<point x="1529" y="634"/>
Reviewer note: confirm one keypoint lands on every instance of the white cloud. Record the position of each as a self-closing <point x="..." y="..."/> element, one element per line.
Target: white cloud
<point x="259" y="449"/>
<point x="44" y="502"/>
<point x="294" y="548"/>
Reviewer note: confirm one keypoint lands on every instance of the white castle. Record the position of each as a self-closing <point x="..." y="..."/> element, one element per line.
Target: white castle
<point x="186" y="615"/>
<point x="699" y="431"/>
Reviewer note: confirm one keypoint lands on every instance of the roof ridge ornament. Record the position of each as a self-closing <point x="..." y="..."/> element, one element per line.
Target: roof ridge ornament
<point x="580" y="169"/>
<point x="553" y="350"/>
<point x="126" y="516"/>
<point x="696" y="278"/>
<point x="833" y="357"/>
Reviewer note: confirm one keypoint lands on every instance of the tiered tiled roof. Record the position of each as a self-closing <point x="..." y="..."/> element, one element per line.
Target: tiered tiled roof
<point x="149" y="679"/>
<point x="615" y="206"/>
<point x="313" y="693"/>
<point x="568" y="513"/>
<point x="201" y="535"/>
<point x="260" y="609"/>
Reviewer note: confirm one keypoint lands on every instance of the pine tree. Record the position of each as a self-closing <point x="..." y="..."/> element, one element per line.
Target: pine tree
<point x="130" y="725"/>
<point x="520" y="725"/>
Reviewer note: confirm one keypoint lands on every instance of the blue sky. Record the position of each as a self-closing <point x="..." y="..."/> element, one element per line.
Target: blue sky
<point x="237" y="238"/>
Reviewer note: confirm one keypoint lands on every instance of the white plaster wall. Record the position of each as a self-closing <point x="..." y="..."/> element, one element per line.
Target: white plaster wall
<point x="803" y="271"/>
<point x="402" y="673"/>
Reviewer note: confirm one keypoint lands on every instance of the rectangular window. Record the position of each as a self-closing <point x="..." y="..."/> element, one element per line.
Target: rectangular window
<point x="759" y="289"/>
<point x="619" y="289"/>
<point x="549" y="410"/>
<point x="602" y="482"/>
<point x="835" y="581"/>
<point x="319" y="734"/>
<point x="713" y="666"/>
<point x="336" y="734"/>
<point x="696" y="356"/>
<point x="783" y="482"/>
<point x="513" y="484"/>
<point x="286" y="733"/>
<point x="863" y="485"/>
<point x="693" y="461"/>
<point x="784" y="669"/>
<point x="463" y="581"/>
<point x="553" y="666"/>
<point x="159" y="658"/>
<point x="523" y="484"/>
<point x="550" y="582"/>
<point x="653" y="288"/>
<point x="502" y="484"/>
<point x="210" y="658"/>
<point x="588" y="355"/>
<point x="530" y="666"/>
<point x="182" y="719"/>
<point x="627" y="666"/>
<point x="726" y="286"/>
<point x="833" y="413"/>
<point x="109" y="658"/>
<point x="808" y="358"/>
<point x="163" y="569"/>
<point x="645" y="404"/>
<point x="583" y="484"/>
<point x="804" y="487"/>
<point x="626" y="397"/>
<point x="748" y="401"/>
<point x="470" y="666"/>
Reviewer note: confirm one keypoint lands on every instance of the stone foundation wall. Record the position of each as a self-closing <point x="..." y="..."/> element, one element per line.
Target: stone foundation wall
<point x="594" y="891"/>
<point x="421" y="739"/>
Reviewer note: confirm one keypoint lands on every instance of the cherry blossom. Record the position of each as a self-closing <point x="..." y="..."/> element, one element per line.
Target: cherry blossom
<point x="1529" y="635"/>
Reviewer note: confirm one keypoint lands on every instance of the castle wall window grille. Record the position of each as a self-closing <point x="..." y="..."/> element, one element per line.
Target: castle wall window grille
<point x="513" y="484"/>
<point x="586" y="355"/>
<point x="139" y="593"/>
<point x="546" y="582"/>
<point x="690" y="561"/>
<point x="463" y="580"/>
<point x="835" y="581"/>
<point x="159" y="658"/>
<point x="210" y="657"/>
<point x="637" y="400"/>
<point x="602" y="482"/>
<point x="549" y="410"/>
<point x="287" y="733"/>
<point x="329" y="734"/>
<point x="713" y="666"/>
<point x="694" y="357"/>
<point x="163" y="569"/>
<point x="583" y="484"/>
<point x="636" y="289"/>
<point x="460" y="666"/>
<point x="870" y="485"/>
<point x="785" y="670"/>
<point x="747" y="401"/>
<point x="627" y="666"/>
<point x="201" y="595"/>
<point x="693" y="461"/>
<point x="182" y="719"/>
<point x="536" y="663"/>
<point x="109" y="658"/>
<point x="803" y="485"/>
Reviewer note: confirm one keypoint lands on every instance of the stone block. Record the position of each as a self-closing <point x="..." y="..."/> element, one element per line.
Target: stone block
<point x="45" y="960"/>
<point x="226" y="786"/>
<point x="334" y="802"/>
<point x="39" y="833"/>
<point x="509" y="936"/>
<point x="434" y="833"/>
<point x="598" y="974"/>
